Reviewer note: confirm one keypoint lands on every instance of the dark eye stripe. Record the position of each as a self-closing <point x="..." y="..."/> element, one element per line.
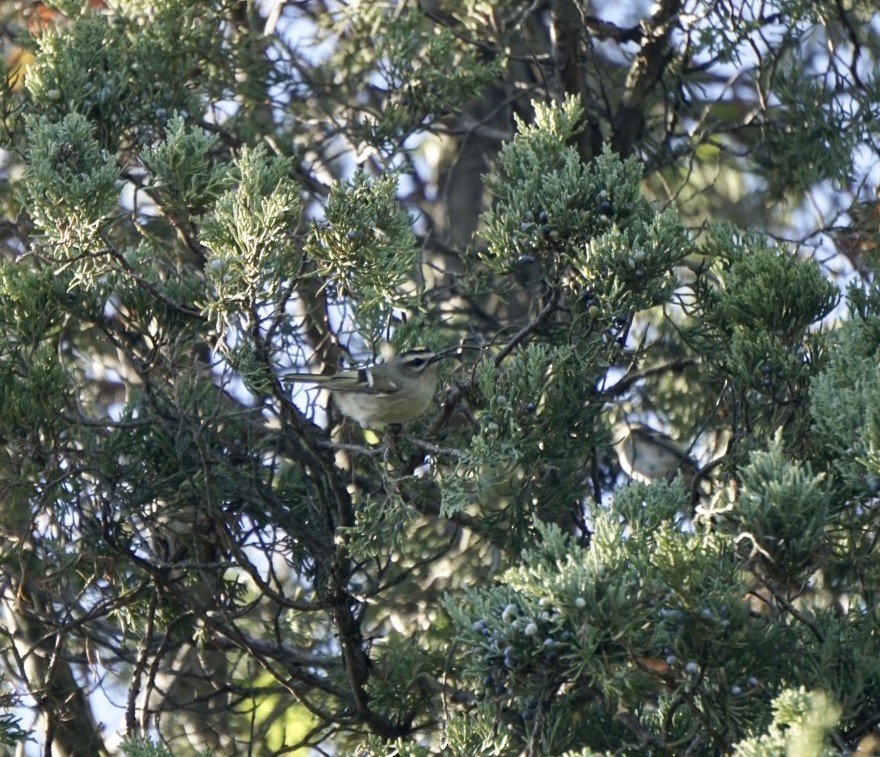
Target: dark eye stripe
<point x="418" y="360"/>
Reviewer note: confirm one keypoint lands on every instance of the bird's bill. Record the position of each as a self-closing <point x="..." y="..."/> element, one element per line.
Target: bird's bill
<point x="448" y="352"/>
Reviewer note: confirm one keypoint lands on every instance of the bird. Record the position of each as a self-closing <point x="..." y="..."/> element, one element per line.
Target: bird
<point x="394" y="392"/>
<point x="646" y="454"/>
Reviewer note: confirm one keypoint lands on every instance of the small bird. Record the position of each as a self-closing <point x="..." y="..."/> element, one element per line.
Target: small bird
<point x="648" y="455"/>
<point x="396" y="391"/>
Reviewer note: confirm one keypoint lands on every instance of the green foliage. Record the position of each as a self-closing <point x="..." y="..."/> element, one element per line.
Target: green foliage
<point x="448" y="74"/>
<point x="846" y="439"/>
<point x="377" y="747"/>
<point x="72" y="184"/>
<point x="587" y="226"/>
<point x="125" y="78"/>
<point x="537" y="157"/>
<point x="513" y="463"/>
<point x="839" y="660"/>
<point x="183" y="177"/>
<point x="133" y="746"/>
<point x="364" y="251"/>
<point x="754" y="314"/>
<point x="198" y="197"/>
<point x="780" y="514"/>
<point x="478" y="734"/>
<point x="254" y="259"/>
<point x="403" y="671"/>
<point x="801" y="725"/>
<point x="35" y="388"/>
<point x="811" y="133"/>
<point x="645" y="614"/>
<point x="30" y="310"/>
<point x="845" y="401"/>
<point x="82" y="69"/>
<point x="381" y="524"/>
<point x="11" y="732"/>
<point x="769" y="291"/>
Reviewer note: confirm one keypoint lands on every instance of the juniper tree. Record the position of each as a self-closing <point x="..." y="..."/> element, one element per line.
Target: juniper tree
<point x="622" y="218"/>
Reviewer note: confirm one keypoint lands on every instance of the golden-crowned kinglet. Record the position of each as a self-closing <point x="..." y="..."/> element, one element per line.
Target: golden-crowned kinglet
<point x="648" y="455"/>
<point x="395" y="391"/>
